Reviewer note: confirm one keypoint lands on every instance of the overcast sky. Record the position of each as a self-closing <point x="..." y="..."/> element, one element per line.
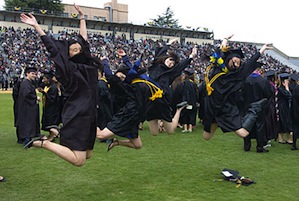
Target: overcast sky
<point x="261" y="21"/>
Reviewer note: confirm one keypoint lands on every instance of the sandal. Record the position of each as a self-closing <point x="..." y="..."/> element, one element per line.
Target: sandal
<point x="28" y="143"/>
<point x="111" y="143"/>
<point x="54" y="126"/>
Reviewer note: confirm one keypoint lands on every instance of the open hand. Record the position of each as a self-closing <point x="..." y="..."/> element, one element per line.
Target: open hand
<point x="78" y="10"/>
<point x="28" y="19"/>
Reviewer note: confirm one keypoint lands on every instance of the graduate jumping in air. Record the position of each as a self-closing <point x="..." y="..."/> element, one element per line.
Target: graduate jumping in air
<point x="165" y="69"/>
<point x="77" y="71"/>
<point x="127" y="113"/>
<point x="134" y="92"/>
<point x="223" y="79"/>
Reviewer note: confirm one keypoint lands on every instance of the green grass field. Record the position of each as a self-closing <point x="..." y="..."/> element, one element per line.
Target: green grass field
<point x="175" y="167"/>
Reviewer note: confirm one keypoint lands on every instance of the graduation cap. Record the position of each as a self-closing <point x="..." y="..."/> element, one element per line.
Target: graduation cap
<point x="284" y="76"/>
<point x="233" y="175"/>
<point x="270" y="73"/>
<point x="49" y="74"/>
<point x="123" y="69"/>
<point x="73" y="41"/>
<point x="30" y="69"/>
<point x="294" y="77"/>
<point x="229" y="174"/>
<point x="232" y="53"/>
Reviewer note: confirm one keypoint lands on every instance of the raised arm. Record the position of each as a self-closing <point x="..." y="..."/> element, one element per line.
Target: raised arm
<point x="30" y="20"/>
<point x="265" y="47"/>
<point x="194" y="52"/>
<point x="83" y="30"/>
<point x="225" y="41"/>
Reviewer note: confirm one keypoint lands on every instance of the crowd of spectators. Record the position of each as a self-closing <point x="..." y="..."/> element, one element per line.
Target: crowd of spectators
<point x="22" y="48"/>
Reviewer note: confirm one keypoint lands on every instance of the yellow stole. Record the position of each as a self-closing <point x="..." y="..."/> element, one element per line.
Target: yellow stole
<point x="209" y="82"/>
<point x="155" y="91"/>
<point x="46" y="89"/>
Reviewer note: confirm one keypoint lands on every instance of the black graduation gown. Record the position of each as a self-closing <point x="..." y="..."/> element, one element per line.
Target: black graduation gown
<point x="27" y="120"/>
<point x="126" y="119"/>
<point x="189" y="94"/>
<point x="221" y="106"/>
<point x="164" y="76"/>
<point x="176" y="97"/>
<point x="15" y="96"/>
<point x="295" y="111"/>
<point x="202" y="93"/>
<point x="284" y="110"/>
<point x="144" y="104"/>
<point x="105" y="104"/>
<point x="271" y="123"/>
<point x="256" y="88"/>
<point x="79" y="82"/>
<point x="51" y="108"/>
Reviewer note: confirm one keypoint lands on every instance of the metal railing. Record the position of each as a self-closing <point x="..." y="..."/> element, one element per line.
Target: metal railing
<point x="37" y="11"/>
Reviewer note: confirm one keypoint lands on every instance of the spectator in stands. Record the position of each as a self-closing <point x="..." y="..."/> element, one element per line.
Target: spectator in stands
<point x="16" y="53"/>
<point x="223" y="85"/>
<point x="4" y="82"/>
<point x="77" y="71"/>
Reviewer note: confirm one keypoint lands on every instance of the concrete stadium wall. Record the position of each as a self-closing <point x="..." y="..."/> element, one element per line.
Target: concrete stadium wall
<point x="198" y="41"/>
<point x="138" y="36"/>
<point x="17" y="25"/>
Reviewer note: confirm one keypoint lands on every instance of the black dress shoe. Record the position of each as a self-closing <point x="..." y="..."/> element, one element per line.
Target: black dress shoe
<point x="262" y="150"/>
<point x="294" y="148"/>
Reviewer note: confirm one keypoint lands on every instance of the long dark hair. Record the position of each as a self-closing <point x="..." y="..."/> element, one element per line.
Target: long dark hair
<point x="161" y="59"/>
<point x="85" y="51"/>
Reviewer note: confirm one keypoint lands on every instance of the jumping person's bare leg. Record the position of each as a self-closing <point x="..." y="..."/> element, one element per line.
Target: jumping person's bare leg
<point x="242" y="132"/>
<point x="77" y="158"/>
<point x="135" y="143"/>
<point x="170" y="127"/>
<point x="53" y="133"/>
<point x="104" y="134"/>
<point x="154" y="126"/>
<point x="131" y="143"/>
<point x="209" y="135"/>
